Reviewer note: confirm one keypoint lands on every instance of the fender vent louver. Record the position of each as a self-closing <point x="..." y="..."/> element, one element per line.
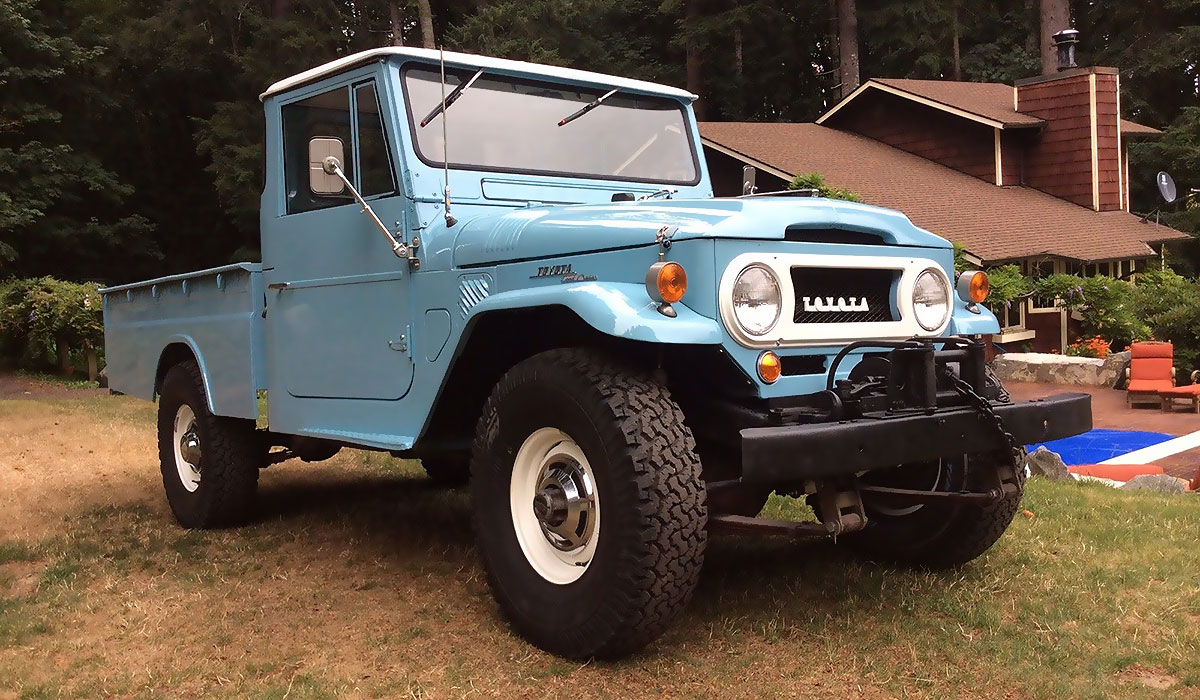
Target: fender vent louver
<point x="830" y="235"/>
<point x="472" y="289"/>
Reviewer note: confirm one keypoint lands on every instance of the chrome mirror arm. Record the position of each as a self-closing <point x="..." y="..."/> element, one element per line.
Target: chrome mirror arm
<point x="400" y="248"/>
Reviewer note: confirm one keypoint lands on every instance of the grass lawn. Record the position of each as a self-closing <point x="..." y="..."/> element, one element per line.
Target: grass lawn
<point x="360" y="580"/>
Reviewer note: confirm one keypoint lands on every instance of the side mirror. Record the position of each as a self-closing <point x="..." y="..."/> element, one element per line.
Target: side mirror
<point x="749" y="175"/>
<point x="320" y="181"/>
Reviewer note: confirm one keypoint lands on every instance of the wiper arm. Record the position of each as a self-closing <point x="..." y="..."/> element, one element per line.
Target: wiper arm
<point x="454" y="95"/>
<point x="586" y="108"/>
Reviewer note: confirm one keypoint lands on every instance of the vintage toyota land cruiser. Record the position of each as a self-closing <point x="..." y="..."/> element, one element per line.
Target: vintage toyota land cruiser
<point x="519" y="274"/>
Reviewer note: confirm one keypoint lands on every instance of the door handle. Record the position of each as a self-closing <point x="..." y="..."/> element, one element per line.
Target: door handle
<point x="278" y="286"/>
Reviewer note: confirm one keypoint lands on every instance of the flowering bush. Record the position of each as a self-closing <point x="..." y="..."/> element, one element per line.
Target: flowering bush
<point x="1089" y="347"/>
<point x="1105" y="305"/>
<point x="42" y="320"/>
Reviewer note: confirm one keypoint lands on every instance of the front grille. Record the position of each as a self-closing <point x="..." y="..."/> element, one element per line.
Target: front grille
<point x="835" y="288"/>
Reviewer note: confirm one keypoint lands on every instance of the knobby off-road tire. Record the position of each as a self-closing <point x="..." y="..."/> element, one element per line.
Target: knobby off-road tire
<point x="230" y="455"/>
<point x="636" y="571"/>
<point x="937" y="535"/>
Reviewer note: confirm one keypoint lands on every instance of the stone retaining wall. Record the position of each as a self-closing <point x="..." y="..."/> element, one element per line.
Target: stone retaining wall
<point x="1059" y="369"/>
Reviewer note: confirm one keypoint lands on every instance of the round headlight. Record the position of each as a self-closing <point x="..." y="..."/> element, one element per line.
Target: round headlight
<point x="756" y="300"/>
<point x="931" y="300"/>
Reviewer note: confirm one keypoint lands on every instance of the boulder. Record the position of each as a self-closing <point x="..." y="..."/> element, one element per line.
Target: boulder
<point x="1112" y="372"/>
<point x="1161" y="483"/>
<point x="1047" y="464"/>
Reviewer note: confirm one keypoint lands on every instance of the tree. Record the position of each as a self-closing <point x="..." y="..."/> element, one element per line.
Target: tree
<point x="60" y="208"/>
<point x="847" y="23"/>
<point x="426" y="15"/>
<point x="1055" y="17"/>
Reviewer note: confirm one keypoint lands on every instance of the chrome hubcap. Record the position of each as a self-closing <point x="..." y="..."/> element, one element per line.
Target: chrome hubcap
<point x="554" y="505"/>
<point x="188" y="455"/>
<point x="564" y="505"/>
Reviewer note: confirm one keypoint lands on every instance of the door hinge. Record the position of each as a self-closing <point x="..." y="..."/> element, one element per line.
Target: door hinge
<point x="400" y="344"/>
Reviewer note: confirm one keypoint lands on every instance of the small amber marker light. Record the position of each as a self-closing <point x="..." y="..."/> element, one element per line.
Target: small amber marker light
<point x="974" y="286"/>
<point x="769" y="367"/>
<point x="666" y="281"/>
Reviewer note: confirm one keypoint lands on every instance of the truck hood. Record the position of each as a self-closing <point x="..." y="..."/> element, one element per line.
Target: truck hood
<point x="544" y="232"/>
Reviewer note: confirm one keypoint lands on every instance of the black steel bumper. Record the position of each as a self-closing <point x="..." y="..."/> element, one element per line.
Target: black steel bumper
<point x="782" y="454"/>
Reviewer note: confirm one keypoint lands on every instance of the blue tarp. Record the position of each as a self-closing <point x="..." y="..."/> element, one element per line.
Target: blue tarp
<point x="1095" y="446"/>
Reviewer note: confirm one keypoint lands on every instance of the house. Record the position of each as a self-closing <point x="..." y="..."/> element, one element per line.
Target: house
<point x="1034" y="174"/>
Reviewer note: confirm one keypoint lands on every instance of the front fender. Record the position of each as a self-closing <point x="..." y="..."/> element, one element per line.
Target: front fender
<point x="619" y="309"/>
<point x="964" y="322"/>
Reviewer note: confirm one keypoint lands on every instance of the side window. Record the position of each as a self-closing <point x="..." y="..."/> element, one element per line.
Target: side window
<point x="325" y="115"/>
<point x="375" y="174"/>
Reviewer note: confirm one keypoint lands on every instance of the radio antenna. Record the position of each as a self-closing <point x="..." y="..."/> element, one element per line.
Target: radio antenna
<point x="450" y="220"/>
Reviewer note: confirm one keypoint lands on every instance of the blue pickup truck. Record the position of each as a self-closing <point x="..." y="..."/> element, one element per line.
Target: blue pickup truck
<point x="518" y="274"/>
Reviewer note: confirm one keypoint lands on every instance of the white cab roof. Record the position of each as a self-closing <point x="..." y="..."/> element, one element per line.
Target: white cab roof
<point x="500" y="65"/>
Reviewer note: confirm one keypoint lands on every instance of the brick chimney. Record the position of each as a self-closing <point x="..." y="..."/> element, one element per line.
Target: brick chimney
<point x="1078" y="154"/>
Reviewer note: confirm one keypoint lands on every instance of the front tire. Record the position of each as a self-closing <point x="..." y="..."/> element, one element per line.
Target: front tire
<point x="936" y="535"/>
<point x="209" y="463"/>
<point x="589" y="506"/>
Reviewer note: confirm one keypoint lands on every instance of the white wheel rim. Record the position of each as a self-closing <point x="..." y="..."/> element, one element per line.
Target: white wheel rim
<point x="554" y="506"/>
<point x="186" y="441"/>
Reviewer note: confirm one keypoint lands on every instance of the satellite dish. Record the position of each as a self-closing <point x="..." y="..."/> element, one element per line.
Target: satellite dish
<point x="1166" y="186"/>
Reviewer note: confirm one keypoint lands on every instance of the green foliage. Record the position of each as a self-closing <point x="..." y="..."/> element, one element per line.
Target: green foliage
<point x="39" y="318"/>
<point x="815" y="181"/>
<point x="1105" y="305"/>
<point x="1170" y="307"/>
<point x="131" y="136"/>
<point x="1008" y="285"/>
<point x="60" y="206"/>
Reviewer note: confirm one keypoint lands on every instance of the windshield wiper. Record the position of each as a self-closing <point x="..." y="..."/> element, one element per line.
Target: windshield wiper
<point x="586" y="108"/>
<point x="454" y="95"/>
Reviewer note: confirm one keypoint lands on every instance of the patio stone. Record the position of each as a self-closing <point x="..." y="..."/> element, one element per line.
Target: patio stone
<point x="1046" y="368"/>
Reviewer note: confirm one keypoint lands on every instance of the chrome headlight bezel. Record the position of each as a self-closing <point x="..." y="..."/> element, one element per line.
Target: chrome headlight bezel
<point x="756" y="331"/>
<point x="941" y="285"/>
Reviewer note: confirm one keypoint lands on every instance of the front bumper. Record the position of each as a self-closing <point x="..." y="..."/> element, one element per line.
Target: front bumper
<point x="782" y="454"/>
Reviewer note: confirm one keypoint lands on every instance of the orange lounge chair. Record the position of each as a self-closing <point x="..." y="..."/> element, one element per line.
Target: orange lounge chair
<point x="1190" y="393"/>
<point x="1150" y="371"/>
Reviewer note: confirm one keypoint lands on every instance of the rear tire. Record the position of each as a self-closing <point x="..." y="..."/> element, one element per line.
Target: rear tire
<point x="597" y="456"/>
<point x="209" y="463"/>
<point x="936" y="535"/>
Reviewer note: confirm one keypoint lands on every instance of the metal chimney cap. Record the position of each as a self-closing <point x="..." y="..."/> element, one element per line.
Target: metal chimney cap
<point x="1066" y="36"/>
<point x="1064" y="42"/>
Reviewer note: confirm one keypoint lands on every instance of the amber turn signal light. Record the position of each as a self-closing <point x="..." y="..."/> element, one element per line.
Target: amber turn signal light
<point x="666" y="281"/>
<point x="973" y="286"/>
<point x="769" y="367"/>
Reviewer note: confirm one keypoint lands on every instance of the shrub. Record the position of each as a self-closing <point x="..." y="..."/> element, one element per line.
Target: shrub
<point x="1105" y="305"/>
<point x="1008" y="285"/>
<point x="1170" y="307"/>
<point x="815" y="181"/>
<point x="43" y="319"/>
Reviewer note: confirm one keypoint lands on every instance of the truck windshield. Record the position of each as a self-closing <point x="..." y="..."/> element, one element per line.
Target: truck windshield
<point x="511" y="125"/>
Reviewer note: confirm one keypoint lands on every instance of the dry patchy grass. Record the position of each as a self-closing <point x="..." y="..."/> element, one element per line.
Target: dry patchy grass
<point x="359" y="580"/>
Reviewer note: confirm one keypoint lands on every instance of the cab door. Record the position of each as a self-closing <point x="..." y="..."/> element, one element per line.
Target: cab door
<point x="338" y="299"/>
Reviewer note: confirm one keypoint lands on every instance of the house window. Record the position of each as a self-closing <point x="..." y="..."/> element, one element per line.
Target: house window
<point x="366" y="160"/>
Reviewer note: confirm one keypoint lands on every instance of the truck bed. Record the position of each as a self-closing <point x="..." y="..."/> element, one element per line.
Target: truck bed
<point x="217" y="314"/>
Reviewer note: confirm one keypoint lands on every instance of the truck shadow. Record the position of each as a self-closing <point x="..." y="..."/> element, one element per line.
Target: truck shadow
<point x="747" y="582"/>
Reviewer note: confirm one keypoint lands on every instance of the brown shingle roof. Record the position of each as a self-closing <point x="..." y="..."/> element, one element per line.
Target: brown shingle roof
<point x="1128" y="127"/>
<point x="990" y="102"/>
<point x="993" y="223"/>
